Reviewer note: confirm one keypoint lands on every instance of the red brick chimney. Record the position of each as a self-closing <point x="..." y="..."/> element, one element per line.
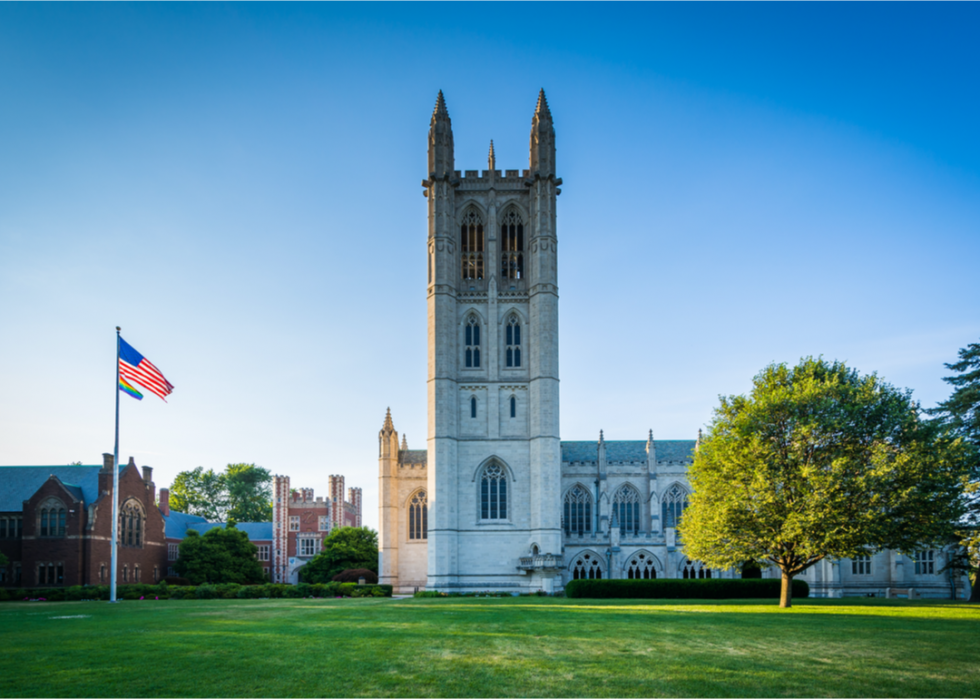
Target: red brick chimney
<point x="165" y="501"/>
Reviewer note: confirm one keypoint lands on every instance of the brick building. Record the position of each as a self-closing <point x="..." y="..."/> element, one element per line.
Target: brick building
<point x="56" y="526"/>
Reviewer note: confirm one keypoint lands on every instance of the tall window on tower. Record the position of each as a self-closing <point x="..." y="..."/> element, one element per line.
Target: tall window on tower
<point x="472" y="341"/>
<point x="513" y="334"/>
<point x="418" y="516"/>
<point x="471" y="246"/>
<point x="493" y="493"/>
<point x="512" y="246"/>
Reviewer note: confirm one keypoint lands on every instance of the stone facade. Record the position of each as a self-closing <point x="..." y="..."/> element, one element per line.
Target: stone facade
<point x="572" y="509"/>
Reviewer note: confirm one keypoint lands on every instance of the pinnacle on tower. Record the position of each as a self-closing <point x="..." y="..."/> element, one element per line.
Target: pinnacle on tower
<point x="389" y="426"/>
<point x="404" y="442"/>
<point x="440" y="109"/>
<point x="491" y="159"/>
<point x="601" y="438"/>
<point x="541" y="110"/>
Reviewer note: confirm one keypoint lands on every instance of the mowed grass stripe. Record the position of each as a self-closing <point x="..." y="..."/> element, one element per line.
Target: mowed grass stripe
<point x="488" y="647"/>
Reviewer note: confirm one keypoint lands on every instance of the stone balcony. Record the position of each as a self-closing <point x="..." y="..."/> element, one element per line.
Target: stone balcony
<point x="545" y="561"/>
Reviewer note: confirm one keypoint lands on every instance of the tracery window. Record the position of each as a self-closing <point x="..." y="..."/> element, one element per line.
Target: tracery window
<point x="925" y="562"/>
<point x="471" y="245"/>
<point x="493" y="493"/>
<point x="131" y="524"/>
<point x="513" y="334"/>
<point x="694" y="569"/>
<point x="673" y="506"/>
<point x="418" y="516"/>
<point x="626" y="506"/>
<point x="586" y="567"/>
<point x="512" y="246"/>
<point x="641" y="567"/>
<point x="578" y="511"/>
<point x="472" y="342"/>
<point x="861" y="565"/>
<point x="52" y="518"/>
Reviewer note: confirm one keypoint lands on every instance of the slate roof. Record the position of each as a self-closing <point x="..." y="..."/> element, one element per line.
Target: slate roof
<point x="628" y="450"/>
<point x="19" y="483"/>
<point x="178" y="523"/>
<point x="412" y="456"/>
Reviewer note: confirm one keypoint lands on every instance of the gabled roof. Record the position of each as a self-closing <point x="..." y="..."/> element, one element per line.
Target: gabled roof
<point x="412" y="456"/>
<point x="19" y="483"/>
<point x="177" y="524"/>
<point x="628" y="450"/>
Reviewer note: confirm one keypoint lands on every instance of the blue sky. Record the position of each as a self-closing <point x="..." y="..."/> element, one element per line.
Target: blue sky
<point x="237" y="186"/>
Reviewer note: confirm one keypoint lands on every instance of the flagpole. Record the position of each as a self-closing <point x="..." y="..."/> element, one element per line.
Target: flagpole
<point x="115" y="486"/>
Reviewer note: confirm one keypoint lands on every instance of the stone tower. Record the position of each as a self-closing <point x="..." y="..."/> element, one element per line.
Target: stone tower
<point x="494" y="455"/>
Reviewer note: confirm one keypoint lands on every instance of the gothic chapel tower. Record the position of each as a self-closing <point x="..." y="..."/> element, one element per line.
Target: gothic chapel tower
<point x="494" y="455"/>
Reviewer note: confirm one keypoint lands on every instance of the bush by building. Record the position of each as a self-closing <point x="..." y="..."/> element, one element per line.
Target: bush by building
<point x="682" y="589"/>
<point x="355" y="574"/>
<point x="204" y="591"/>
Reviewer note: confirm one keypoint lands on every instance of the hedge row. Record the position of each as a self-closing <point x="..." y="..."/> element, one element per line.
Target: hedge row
<point x="682" y="589"/>
<point x="222" y="591"/>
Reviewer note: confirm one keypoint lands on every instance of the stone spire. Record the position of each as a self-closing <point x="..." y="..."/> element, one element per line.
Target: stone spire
<point x="697" y="444"/>
<point x="542" y="139"/>
<point x="441" y="158"/>
<point x="389" y="426"/>
<point x="491" y="159"/>
<point x="602" y="439"/>
<point x="404" y="442"/>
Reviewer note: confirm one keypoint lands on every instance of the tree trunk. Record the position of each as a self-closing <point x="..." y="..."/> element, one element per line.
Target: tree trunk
<point x="786" y="592"/>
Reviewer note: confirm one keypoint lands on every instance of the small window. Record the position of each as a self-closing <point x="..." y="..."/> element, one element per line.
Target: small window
<point x="324" y="523"/>
<point x="308" y="546"/>
<point x="513" y="406"/>
<point x="471" y="339"/>
<point x="861" y="565"/>
<point x="136" y="573"/>
<point x="925" y="563"/>
<point x="294" y="524"/>
<point x="513" y="336"/>
<point x="102" y="573"/>
<point x="473" y="406"/>
<point x="173" y="550"/>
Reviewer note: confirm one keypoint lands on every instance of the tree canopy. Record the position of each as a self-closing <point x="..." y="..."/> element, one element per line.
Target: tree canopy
<point x="243" y="493"/>
<point x="819" y="461"/>
<point x="222" y="555"/>
<point x="343" y="549"/>
<point x="961" y="413"/>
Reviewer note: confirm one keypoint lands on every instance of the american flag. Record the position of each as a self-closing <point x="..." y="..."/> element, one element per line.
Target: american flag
<point x="133" y="366"/>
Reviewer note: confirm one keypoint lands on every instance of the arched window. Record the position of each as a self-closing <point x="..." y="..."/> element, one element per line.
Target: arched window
<point x="512" y="246"/>
<point x="586" y="567"/>
<point x="673" y="506"/>
<point x="493" y="493"/>
<point x="471" y="340"/>
<point x="473" y="406"/>
<point x="418" y="516"/>
<point x="641" y="567"/>
<point x="513" y="334"/>
<point x="626" y="506"/>
<point x="471" y="245"/>
<point x="578" y="510"/>
<point x="52" y="518"/>
<point x="694" y="569"/>
<point x="131" y="521"/>
<point x="513" y="406"/>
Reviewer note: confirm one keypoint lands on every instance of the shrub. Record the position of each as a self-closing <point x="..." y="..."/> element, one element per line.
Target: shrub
<point x="175" y="580"/>
<point x="355" y="574"/>
<point x="682" y="589"/>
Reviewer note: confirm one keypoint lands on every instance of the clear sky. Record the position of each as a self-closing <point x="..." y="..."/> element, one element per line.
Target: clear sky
<point x="237" y="186"/>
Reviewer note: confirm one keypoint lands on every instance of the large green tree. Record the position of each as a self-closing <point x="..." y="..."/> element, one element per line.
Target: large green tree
<point x="243" y="493"/>
<point x="961" y="413"/>
<point x="200" y="492"/>
<point x="819" y="461"/>
<point x="343" y="549"/>
<point x="222" y="555"/>
<point x="249" y="489"/>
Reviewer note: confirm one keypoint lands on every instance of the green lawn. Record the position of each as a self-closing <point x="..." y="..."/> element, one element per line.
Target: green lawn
<point x="488" y="647"/>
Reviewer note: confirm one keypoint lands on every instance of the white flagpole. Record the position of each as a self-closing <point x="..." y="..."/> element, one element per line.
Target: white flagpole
<point x="115" y="486"/>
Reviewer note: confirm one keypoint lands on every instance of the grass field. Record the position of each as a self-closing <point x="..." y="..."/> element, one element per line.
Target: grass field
<point x="488" y="647"/>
